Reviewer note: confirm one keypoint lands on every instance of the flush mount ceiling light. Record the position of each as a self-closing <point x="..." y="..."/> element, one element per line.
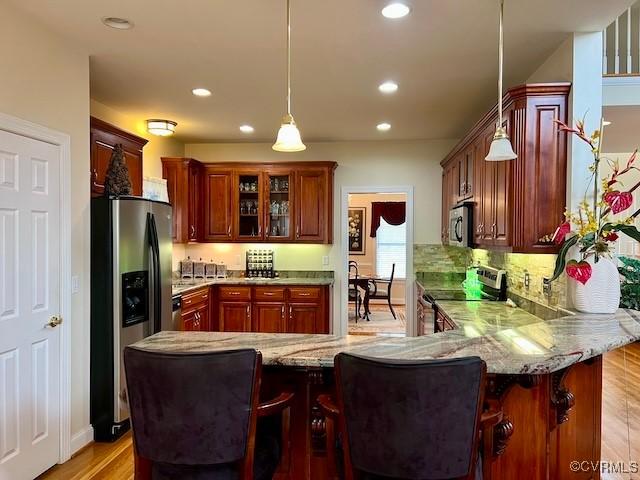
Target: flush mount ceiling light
<point x="246" y="129"/>
<point x="383" y="127"/>
<point x="395" y="10"/>
<point x="162" y="128"/>
<point x="289" y="139"/>
<point x="388" y="87"/>
<point x="116" y="22"/>
<point x="501" y="148"/>
<point x="201" y="92"/>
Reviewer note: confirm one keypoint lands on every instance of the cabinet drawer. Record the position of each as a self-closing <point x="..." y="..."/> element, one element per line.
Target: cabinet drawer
<point x="268" y="294"/>
<point x="305" y="294"/>
<point x="235" y="293"/>
<point x="195" y="298"/>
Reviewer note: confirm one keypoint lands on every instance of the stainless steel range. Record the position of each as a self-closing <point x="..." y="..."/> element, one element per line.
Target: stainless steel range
<point x="483" y="283"/>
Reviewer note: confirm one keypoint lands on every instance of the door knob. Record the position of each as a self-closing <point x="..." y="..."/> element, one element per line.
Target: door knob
<point x="54" y="321"/>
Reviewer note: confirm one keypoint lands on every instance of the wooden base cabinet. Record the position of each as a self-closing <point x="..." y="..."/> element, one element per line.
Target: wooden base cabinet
<point x="250" y="202"/>
<point x="196" y="308"/>
<point x="234" y="316"/>
<point x="264" y="309"/>
<point x="517" y="204"/>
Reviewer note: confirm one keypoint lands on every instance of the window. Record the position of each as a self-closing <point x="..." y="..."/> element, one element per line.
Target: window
<point x="391" y="247"/>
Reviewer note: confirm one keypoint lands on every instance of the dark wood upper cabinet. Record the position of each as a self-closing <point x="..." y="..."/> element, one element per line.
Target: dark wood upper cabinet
<point x="250" y="202"/>
<point x="312" y="205"/>
<point x="184" y="185"/>
<point x="104" y="137"/>
<point x="248" y="205"/>
<point x="517" y="204"/>
<point x="218" y="204"/>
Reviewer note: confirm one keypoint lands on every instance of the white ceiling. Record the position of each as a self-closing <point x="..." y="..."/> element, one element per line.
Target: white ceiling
<point x="443" y="55"/>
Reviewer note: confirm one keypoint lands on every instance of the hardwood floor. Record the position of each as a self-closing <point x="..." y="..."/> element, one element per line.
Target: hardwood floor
<point x="107" y="461"/>
<point x="615" y="442"/>
<point x="97" y="461"/>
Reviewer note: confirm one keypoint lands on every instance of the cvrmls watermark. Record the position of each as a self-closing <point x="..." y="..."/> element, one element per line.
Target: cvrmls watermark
<point x="604" y="466"/>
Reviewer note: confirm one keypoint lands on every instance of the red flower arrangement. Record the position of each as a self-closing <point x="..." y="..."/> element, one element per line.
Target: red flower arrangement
<point x="590" y="228"/>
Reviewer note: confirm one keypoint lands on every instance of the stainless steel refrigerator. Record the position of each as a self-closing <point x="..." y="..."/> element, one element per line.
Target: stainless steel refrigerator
<point x="130" y="296"/>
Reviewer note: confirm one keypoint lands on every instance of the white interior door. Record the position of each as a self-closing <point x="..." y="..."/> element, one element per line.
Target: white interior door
<point x="30" y="206"/>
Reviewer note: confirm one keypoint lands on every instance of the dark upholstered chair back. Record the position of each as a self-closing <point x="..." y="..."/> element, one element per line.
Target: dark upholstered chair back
<point x="192" y="409"/>
<point x="410" y="420"/>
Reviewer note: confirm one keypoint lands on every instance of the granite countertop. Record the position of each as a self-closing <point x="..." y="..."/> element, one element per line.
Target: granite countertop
<point x="187" y="286"/>
<point x="523" y="346"/>
<point x="482" y="317"/>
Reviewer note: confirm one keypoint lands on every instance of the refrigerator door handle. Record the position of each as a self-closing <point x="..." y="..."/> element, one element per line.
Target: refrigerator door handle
<point x="157" y="291"/>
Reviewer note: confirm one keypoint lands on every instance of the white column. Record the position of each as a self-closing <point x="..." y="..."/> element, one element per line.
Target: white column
<point x="585" y="99"/>
<point x="605" y="60"/>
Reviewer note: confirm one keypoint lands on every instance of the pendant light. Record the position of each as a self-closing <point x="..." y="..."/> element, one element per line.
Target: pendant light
<point x="289" y="139"/>
<point x="501" y="148"/>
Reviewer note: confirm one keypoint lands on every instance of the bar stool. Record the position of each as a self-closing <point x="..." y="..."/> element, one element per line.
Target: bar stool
<point x="196" y="415"/>
<point x="406" y="420"/>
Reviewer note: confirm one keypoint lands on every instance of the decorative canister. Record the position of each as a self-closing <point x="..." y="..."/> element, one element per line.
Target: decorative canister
<point x="210" y="269"/>
<point x="186" y="268"/>
<point x="198" y="269"/>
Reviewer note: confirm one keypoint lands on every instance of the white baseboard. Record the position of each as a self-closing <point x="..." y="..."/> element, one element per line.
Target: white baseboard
<point x="82" y="438"/>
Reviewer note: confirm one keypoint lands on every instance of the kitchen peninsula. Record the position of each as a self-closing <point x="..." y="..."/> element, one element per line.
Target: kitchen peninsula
<point x="544" y="381"/>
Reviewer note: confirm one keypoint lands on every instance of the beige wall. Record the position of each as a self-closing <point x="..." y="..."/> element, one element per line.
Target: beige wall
<point x="360" y="164"/>
<point x="156" y="148"/>
<point x="45" y="80"/>
<point x="367" y="262"/>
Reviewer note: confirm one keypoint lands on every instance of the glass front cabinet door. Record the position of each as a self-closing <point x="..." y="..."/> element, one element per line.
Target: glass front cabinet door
<point x="248" y="206"/>
<point x="278" y="206"/>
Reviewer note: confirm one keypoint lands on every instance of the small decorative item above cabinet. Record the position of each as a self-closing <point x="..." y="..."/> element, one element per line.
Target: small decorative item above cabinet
<point x="518" y="203"/>
<point x="250" y="202"/>
<point x="104" y="138"/>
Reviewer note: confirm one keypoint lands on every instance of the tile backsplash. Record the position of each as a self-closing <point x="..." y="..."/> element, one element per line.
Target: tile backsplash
<point x="438" y="258"/>
<point x="538" y="266"/>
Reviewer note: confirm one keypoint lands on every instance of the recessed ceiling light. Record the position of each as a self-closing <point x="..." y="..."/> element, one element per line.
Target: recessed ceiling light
<point x="395" y="10"/>
<point x="246" y="129"/>
<point x="201" y="92"/>
<point x="383" y="127"/>
<point x="388" y="87"/>
<point x="116" y="22"/>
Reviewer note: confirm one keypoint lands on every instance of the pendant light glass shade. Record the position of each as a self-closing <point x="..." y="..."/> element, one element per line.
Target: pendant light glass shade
<point x="289" y="139"/>
<point x="501" y="148"/>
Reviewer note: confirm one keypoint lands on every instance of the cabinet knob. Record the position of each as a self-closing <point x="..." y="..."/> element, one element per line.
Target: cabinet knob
<point x="282" y="312"/>
<point x="297" y="231"/>
<point x="193" y="231"/>
<point x="248" y="312"/>
<point x="229" y="231"/>
<point x="290" y="312"/>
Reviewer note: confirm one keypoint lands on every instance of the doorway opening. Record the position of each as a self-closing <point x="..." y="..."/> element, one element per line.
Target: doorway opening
<point x="377" y="263"/>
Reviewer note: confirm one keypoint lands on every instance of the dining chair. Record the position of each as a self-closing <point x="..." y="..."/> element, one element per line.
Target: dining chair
<point x="406" y="420"/>
<point x="197" y="415"/>
<point x="380" y="289"/>
<point x="354" y="289"/>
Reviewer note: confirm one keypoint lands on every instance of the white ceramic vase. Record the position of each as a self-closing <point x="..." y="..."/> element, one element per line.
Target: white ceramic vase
<point x="601" y="293"/>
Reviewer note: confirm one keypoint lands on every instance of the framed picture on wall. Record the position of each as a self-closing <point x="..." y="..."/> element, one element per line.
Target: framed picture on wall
<point x="357" y="225"/>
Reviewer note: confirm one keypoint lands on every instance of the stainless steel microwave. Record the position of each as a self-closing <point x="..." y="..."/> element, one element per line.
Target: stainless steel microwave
<point x="460" y="225"/>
